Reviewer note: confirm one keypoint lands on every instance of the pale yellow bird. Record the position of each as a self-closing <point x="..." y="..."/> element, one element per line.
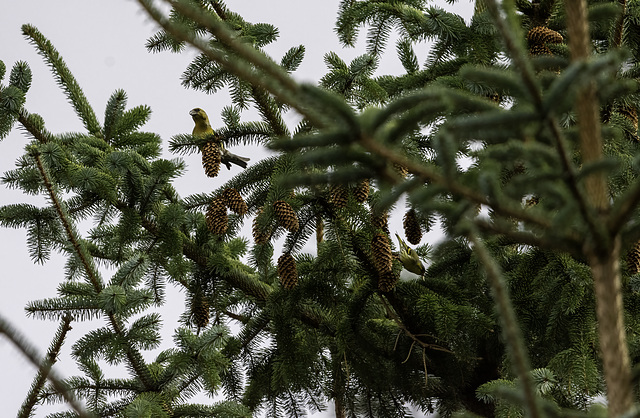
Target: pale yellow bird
<point x="203" y="129"/>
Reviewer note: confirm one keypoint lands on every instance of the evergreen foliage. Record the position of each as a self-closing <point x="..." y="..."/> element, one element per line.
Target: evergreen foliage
<point x="519" y="134"/>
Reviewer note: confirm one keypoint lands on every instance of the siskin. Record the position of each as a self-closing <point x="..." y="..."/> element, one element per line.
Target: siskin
<point x="409" y="258"/>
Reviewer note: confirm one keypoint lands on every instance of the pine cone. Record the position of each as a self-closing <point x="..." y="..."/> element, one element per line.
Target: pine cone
<point x="536" y="50"/>
<point x="287" y="271"/>
<point x="285" y="215"/>
<point x="211" y="159"/>
<point x="361" y="191"/>
<point x="401" y="170"/>
<point x="259" y="236"/>
<point x="387" y="281"/>
<point x="542" y="35"/>
<point x="200" y="311"/>
<point x="412" y="227"/>
<point x="381" y="250"/>
<point x="633" y="259"/>
<point x="217" y="217"/>
<point x="538" y="38"/>
<point x="338" y="196"/>
<point x="234" y="201"/>
<point x="381" y="221"/>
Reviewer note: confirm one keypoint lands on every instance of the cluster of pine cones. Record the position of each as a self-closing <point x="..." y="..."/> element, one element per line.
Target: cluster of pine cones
<point x="217" y="220"/>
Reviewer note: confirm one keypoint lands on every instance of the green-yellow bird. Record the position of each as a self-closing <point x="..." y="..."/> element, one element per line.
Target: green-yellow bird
<point x="203" y="128"/>
<point x="409" y="258"/>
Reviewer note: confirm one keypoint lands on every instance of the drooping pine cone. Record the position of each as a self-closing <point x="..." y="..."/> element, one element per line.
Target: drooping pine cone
<point x="387" y="281"/>
<point x="633" y="259"/>
<point x="412" y="229"/>
<point x="401" y="170"/>
<point x="361" y="191"/>
<point x="259" y="236"/>
<point x="211" y="159"/>
<point x="286" y="215"/>
<point x="539" y="37"/>
<point x="381" y="250"/>
<point x="200" y="310"/>
<point x="287" y="271"/>
<point x="380" y="221"/>
<point x="338" y="196"/>
<point x="217" y="217"/>
<point x="234" y="201"/>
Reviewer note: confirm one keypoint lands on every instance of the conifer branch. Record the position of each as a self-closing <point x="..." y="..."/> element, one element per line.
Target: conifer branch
<point x="510" y="327"/>
<point x="41" y="135"/>
<point x="428" y="174"/>
<point x="64" y="77"/>
<point x="135" y="358"/>
<point x="603" y="256"/>
<point x="80" y="250"/>
<point x="623" y="207"/>
<point x="45" y="367"/>
<point x="414" y="337"/>
<point x="255" y="68"/>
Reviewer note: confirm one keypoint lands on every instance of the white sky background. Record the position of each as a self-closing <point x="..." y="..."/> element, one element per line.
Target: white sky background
<point x="102" y="43"/>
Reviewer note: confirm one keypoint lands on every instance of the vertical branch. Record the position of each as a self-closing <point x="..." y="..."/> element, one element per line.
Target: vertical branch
<point x="603" y="252"/>
<point x="510" y="328"/>
<point x="587" y="103"/>
<point x="613" y="344"/>
<point x="45" y="368"/>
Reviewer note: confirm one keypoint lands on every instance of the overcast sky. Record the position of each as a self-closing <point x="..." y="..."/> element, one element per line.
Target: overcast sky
<point x="102" y="43"/>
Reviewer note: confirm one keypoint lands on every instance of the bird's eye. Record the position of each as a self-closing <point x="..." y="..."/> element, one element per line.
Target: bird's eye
<point x="197" y="109"/>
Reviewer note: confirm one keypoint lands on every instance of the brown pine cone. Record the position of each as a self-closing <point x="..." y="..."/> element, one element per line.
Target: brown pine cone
<point x="381" y="251"/>
<point x="633" y="259"/>
<point x="200" y="311"/>
<point x="542" y="35"/>
<point x="287" y="271"/>
<point x="380" y="221"/>
<point x="259" y="236"/>
<point x="361" y="191"/>
<point x="211" y="159"/>
<point x="234" y="201"/>
<point x="412" y="228"/>
<point x="286" y="215"/>
<point x="338" y="196"/>
<point x="387" y="281"/>
<point x="217" y="217"/>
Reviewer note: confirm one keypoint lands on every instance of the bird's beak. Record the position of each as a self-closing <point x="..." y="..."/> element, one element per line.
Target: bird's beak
<point x="193" y="112"/>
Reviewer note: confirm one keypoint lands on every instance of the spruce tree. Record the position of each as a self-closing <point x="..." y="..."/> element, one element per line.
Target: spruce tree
<point x="524" y="308"/>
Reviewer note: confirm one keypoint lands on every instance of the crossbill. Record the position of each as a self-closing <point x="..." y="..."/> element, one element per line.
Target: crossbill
<point x="203" y="128"/>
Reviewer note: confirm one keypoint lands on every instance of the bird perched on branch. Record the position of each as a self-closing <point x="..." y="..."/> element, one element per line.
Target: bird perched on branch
<point x="409" y="258"/>
<point x="203" y="129"/>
